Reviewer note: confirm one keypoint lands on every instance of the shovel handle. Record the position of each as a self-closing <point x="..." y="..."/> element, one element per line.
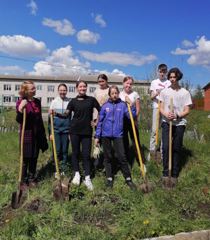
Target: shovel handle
<point x="21" y="145"/>
<point x="54" y="147"/>
<point x="136" y="141"/>
<point x="170" y="138"/>
<point x="157" y="124"/>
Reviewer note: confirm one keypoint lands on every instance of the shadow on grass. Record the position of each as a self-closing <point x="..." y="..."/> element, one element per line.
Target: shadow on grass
<point x="185" y="156"/>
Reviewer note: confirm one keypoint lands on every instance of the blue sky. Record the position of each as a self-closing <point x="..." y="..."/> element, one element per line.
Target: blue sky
<point x="59" y="37"/>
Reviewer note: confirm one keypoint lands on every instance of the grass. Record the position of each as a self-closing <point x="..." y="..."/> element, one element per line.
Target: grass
<point x="106" y="214"/>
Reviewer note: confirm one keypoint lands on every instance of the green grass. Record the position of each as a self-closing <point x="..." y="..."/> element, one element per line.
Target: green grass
<point x="107" y="214"/>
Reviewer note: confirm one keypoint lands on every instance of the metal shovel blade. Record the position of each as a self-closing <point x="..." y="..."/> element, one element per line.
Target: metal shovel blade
<point x="17" y="199"/>
<point x="61" y="190"/>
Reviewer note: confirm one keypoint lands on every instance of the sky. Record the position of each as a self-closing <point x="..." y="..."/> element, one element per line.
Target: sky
<point x="78" y="37"/>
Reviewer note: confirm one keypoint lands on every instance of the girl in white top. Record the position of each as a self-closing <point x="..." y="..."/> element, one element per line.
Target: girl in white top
<point x="135" y="100"/>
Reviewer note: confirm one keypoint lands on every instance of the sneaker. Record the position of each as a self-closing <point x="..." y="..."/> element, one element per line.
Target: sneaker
<point x="109" y="183"/>
<point x="130" y="184"/>
<point x="88" y="183"/>
<point x="173" y="182"/>
<point x="165" y="182"/>
<point x="76" y="179"/>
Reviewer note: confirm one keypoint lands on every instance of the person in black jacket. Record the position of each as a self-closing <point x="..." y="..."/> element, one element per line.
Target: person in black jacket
<point x="34" y="137"/>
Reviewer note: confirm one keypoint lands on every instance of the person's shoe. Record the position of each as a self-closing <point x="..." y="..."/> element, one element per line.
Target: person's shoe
<point x="165" y="182"/>
<point x="76" y="179"/>
<point x="130" y="184"/>
<point x="88" y="183"/>
<point x="173" y="182"/>
<point x="32" y="184"/>
<point x="109" y="183"/>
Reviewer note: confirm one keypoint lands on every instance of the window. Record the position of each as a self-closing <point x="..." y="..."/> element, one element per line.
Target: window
<point x="16" y="98"/>
<point x="92" y="89"/>
<point x="39" y="88"/>
<point x="49" y="99"/>
<point x="50" y="88"/>
<point x="17" y="87"/>
<point x="72" y="89"/>
<point x="7" y="87"/>
<point x="7" y="99"/>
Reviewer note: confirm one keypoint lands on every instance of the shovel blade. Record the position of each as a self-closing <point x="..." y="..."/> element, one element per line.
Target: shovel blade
<point x="17" y="199"/>
<point x="61" y="190"/>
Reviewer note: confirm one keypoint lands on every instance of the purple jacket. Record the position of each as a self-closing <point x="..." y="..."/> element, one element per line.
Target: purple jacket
<point x="111" y="119"/>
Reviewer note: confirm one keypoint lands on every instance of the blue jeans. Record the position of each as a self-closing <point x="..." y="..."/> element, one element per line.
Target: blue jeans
<point x="177" y="141"/>
<point x="62" y="145"/>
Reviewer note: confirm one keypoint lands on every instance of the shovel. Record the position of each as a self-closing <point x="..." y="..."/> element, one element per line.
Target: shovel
<point x="19" y="196"/>
<point x="170" y="147"/>
<point x="60" y="186"/>
<point x="157" y="156"/>
<point x="145" y="187"/>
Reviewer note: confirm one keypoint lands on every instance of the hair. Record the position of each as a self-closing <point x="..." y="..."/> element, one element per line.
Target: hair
<point x="177" y="72"/>
<point x="103" y="76"/>
<point x="162" y="67"/>
<point x="113" y="87"/>
<point x="128" y="78"/>
<point x="62" y="85"/>
<point x="24" y="88"/>
<point x="80" y="81"/>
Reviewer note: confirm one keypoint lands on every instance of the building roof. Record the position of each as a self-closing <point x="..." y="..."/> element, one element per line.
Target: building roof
<point x="206" y="86"/>
<point x="71" y="78"/>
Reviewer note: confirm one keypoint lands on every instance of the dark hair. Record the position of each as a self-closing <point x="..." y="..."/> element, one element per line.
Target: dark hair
<point x="103" y="76"/>
<point x="62" y="85"/>
<point x="127" y="78"/>
<point x="80" y="81"/>
<point x="162" y="67"/>
<point x="177" y="72"/>
<point x="113" y="87"/>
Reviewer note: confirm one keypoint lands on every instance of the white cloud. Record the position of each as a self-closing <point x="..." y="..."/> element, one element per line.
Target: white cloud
<point x="199" y="55"/>
<point x="63" y="27"/>
<point x="61" y="62"/>
<point x="118" y="72"/>
<point x="33" y="6"/>
<point x="117" y="58"/>
<point x="86" y="36"/>
<point x="11" y="70"/>
<point x="187" y="43"/>
<point x="18" y="45"/>
<point x="99" y="20"/>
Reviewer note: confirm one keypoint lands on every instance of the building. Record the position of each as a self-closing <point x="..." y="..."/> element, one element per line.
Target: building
<point x="207" y="97"/>
<point x="46" y="87"/>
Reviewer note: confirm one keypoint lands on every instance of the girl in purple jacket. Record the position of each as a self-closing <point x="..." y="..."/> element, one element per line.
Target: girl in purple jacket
<point x="110" y="130"/>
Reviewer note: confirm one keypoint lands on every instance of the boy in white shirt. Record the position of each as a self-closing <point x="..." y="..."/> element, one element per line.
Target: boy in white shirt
<point x="156" y="87"/>
<point x="181" y="100"/>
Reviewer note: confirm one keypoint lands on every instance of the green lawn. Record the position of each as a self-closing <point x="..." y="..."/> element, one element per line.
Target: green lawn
<point x="107" y="214"/>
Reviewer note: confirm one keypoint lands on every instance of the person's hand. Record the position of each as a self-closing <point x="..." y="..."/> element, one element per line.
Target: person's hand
<point x="127" y="99"/>
<point x="51" y="111"/>
<point x="157" y="92"/>
<point x="93" y="123"/>
<point x="171" y="116"/>
<point x="22" y="105"/>
<point x="96" y="142"/>
<point x="50" y="137"/>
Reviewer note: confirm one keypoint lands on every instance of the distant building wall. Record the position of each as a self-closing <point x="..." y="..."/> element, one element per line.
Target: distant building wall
<point x="207" y="97"/>
<point x="46" y="87"/>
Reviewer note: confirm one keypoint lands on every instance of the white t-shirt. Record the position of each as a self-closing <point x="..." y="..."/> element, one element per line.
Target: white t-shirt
<point x="181" y="98"/>
<point x="133" y="96"/>
<point x="101" y="95"/>
<point x="157" y="84"/>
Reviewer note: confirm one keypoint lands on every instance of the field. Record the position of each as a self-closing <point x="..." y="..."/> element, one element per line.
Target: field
<point x="109" y="214"/>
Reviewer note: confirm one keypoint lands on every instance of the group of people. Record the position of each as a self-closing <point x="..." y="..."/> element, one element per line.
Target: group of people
<point x="107" y="115"/>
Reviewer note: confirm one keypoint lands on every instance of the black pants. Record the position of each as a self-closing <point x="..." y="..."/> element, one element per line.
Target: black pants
<point x="120" y="153"/>
<point x="177" y="141"/>
<point x="86" y="142"/>
<point x="128" y="131"/>
<point x="29" y="169"/>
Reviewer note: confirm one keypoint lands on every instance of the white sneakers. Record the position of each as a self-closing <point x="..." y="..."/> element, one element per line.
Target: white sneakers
<point x="88" y="183"/>
<point x="76" y="179"/>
